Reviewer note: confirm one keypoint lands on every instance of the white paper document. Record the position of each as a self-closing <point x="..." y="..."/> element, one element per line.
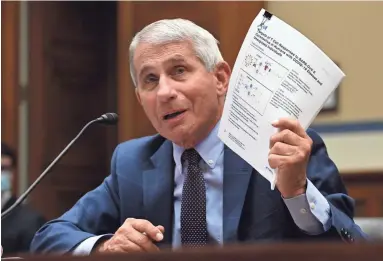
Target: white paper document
<point x="278" y="73"/>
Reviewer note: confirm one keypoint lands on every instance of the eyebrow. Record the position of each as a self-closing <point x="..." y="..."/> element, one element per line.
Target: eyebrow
<point x="176" y="59"/>
<point x="172" y="60"/>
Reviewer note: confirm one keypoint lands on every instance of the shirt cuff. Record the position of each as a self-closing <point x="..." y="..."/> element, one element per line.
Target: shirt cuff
<point x="86" y="246"/>
<point x="310" y="211"/>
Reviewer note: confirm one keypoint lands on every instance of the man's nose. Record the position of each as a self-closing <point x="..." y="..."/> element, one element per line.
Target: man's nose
<point x="166" y="90"/>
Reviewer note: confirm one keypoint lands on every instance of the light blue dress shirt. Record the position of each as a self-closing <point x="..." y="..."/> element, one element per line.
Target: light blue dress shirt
<point x="310" y="211"/>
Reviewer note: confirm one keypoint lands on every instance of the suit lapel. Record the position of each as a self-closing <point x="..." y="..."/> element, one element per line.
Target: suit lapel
<point x="237" y="173"/>
<point x="158" y="182"/>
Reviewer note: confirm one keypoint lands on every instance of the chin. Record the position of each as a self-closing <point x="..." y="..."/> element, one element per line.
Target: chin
<point x="180" y="135"/>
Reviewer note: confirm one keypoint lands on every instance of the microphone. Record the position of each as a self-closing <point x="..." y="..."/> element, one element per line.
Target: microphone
<point x="107" y="118"/>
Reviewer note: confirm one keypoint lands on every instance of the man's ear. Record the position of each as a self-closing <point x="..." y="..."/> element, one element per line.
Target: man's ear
<point x="222" y="73"/>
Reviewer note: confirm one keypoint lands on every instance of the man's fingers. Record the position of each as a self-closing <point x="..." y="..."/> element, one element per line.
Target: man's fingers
<point x="286" y="136"/>
<point x="290" y="124"/>
<point x="283" y="149"/>
<point x="121" y="244"/>
<point x="162" y="229"/>
<point x="135" y="235"/>
<point x="129" y="246"/>
<point x="142" y="241"/>
<point x="276" y="161"/>
<point x="148" y="228"/>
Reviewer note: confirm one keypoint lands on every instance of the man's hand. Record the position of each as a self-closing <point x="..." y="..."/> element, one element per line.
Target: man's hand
<point x="290" y="150"/>
<point x="135" y="235"/>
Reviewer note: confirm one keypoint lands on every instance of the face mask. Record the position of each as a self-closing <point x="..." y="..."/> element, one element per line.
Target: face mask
<point x="5" y="180"/>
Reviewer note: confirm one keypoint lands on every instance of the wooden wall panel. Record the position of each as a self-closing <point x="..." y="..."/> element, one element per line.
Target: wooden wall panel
<point x="72" y="48"/>
<point x="126" y="99"/>
<point x="9" y="71"/>
<point x="367" y="190"/>
<point x="227" y="21"/>
<point x="9" y="75"/>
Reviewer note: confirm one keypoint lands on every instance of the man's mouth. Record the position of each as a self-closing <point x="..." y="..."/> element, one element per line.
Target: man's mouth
<point x="173" y="115"/>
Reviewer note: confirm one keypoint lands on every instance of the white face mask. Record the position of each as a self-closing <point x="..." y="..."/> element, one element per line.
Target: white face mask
<point x="6" y="183"/>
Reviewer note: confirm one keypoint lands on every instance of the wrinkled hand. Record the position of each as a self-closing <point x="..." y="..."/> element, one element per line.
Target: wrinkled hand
<point x="135" y="235"/>
<point x="290" y="150"/>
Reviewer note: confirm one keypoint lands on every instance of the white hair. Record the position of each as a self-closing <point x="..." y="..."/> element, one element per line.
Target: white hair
<point x="171" y="30"/>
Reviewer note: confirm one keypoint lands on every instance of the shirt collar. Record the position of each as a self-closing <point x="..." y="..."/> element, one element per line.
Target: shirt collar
<point x="209" y="149"/>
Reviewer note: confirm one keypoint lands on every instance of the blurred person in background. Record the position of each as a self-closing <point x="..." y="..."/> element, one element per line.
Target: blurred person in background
<point x="17" y="229"/>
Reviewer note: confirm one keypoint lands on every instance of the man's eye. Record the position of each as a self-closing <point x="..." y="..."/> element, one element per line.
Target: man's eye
<point x="179" y="70"/>
<point x="150" y="78"/>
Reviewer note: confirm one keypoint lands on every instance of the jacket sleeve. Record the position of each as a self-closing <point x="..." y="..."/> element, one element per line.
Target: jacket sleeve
<point x="325" y="176"/>
<point x="97" y="212"/>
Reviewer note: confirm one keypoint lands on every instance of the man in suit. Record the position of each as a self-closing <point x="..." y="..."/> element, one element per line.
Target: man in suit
<point x="17" y="229"/>
<point x="183" y="187"/>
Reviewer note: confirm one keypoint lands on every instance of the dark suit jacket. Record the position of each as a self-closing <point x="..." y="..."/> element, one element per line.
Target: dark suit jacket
<point x="141" y="186"/>
<point x="19" y="228"/>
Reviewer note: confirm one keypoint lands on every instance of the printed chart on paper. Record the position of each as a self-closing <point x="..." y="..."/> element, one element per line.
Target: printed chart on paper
<point x="257" y="72"/>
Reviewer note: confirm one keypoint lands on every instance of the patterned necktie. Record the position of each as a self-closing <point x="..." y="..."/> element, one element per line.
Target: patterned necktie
<point x="193" y="203"/>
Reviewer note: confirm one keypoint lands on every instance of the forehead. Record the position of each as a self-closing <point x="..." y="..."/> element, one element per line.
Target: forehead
<point x="153" y="55"/>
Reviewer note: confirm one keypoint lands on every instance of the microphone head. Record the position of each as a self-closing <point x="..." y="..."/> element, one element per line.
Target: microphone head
<point x="108" y="118"/>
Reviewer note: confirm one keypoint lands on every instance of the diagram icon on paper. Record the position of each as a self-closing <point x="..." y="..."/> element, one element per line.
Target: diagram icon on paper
<point x="255" y="95"/>
<point x="263" y="68"/>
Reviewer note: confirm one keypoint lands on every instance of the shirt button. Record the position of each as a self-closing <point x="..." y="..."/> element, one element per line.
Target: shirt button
<point x="312" y="206"/>
<point x="210" y="162"/>
<point x="303" y="211"/>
